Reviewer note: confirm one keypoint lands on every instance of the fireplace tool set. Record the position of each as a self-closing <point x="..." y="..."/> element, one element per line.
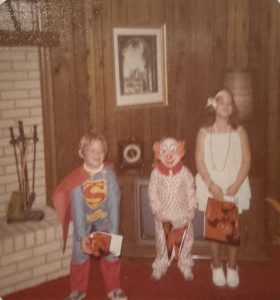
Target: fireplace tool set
<point x="19" y="209"/>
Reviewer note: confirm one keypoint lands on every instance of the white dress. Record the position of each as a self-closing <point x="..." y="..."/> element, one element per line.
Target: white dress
<point x="223" y="157"/>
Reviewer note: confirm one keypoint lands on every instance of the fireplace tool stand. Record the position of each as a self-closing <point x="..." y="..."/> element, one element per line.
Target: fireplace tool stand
<point x="19" y="209"/>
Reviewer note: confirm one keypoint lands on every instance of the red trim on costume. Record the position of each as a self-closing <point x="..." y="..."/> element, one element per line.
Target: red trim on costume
<point x="61" y="198"/>
<point x="170" y="171"/>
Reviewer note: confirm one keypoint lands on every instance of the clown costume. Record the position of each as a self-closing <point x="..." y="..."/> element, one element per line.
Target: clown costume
<point x="172" y="201"/>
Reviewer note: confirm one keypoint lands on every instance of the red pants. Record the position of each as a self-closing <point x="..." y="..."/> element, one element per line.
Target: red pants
<point x="79" y="274"/>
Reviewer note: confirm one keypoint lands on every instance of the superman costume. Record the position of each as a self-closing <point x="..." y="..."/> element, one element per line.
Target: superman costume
<point x="92" y="201"/>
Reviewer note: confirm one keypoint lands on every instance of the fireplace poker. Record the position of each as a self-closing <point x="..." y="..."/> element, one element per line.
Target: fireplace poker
<point x="23" y="162"/>
<point x="20" y="205"/>
<point x="13" y="142"/>
<point x="23" y="176"/>
<point x="32" y="194"/>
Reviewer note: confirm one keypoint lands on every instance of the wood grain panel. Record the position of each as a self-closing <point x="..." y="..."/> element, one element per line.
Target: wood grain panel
<point x="95" y="64"/>
<point x="273" y="105"/>
<point x="64" y="89"/>
<point x="192" y="105"/>
<point x="241" y="34"/>
<point x="159" y="115"/>
<point x="49" y="124"/>
<point x="182" y="63"/>
<point x="264" y="59"/>
<point x="231" y="33"/>
<point x="277" y="94"/>
<point x="203" y="39"/>
<point x="109" y="92"/>
<point x="169" y="123"/>
<point x="258" y="56"/>
<point x="80" y="61"/>
<point x="204" y="49"/>
<point x="48" y="110"/>
<point x="220" y="43"/>
<point x="119" y="12"/>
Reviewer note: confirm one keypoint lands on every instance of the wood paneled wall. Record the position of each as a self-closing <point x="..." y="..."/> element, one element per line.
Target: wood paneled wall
<point x="65" y="89"/>
<point x="204" y="39"/>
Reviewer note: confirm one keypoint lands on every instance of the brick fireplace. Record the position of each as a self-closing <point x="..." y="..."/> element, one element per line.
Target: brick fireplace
<point x="20" y="99"/>
<point x="30" y="252"/>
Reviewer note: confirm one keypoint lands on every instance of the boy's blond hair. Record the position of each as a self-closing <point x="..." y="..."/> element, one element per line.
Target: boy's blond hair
<point x="88" y="138"/>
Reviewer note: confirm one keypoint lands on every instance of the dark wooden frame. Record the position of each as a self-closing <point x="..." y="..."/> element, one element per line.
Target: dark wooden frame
<point x="155" y="38"/>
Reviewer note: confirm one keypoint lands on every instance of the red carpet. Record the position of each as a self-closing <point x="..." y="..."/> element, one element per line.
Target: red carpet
<point x="259" y="281"/>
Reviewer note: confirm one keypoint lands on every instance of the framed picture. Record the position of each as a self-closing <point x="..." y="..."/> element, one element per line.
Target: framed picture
<point x="140" y="66"/>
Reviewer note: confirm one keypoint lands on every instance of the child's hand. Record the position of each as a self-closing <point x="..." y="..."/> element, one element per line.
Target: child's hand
<point x="216" y="192"/>
<point x="232" y="190"/>
<point x="86" y="245"/>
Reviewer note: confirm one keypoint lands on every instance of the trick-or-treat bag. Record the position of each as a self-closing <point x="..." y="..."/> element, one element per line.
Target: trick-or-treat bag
<point x="221" y="222"/>
<point x="102" y="243"/>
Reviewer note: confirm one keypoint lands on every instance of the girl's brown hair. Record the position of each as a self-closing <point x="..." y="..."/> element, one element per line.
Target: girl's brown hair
<point x="233" y="118"/>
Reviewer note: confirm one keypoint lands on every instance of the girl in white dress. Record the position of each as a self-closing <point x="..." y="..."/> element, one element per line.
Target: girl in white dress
<point x="223" y="161"/>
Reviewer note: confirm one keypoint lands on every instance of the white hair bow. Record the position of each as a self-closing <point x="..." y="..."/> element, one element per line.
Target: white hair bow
<point x="211" y="102"/>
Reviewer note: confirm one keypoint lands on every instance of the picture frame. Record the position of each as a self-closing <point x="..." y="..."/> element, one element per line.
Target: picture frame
<point x="140" y="66"/>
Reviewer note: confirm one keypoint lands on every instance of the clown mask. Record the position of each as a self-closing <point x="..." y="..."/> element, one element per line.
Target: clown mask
<point x="169" y="151"/>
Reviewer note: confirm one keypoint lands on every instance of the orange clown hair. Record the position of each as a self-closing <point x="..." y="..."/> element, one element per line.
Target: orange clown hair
<point x="181" y="148"/>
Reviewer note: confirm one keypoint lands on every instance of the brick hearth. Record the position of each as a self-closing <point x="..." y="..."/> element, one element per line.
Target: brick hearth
<point x="31" y="253"/>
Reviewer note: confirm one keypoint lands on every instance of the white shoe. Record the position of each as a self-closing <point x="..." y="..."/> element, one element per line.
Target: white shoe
<point x="232" y="277"/>
<point x="218" y="276"/>
<point x="156" y="275"/>
<point x="188" y="275"/>
<point x="117" y="294"/>
<point x="76" y="295"/>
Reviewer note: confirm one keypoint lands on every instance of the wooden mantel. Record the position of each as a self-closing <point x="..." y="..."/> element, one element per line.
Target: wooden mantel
<point x="29" y="38"/>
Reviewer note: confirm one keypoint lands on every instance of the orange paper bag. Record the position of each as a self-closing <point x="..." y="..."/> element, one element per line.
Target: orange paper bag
<point x="221" y="222"/>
